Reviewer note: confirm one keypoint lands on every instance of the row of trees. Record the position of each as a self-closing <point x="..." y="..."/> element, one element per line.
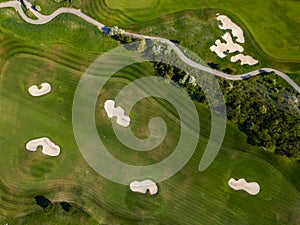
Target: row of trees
<point x="268" y="112"/>
<point x="264" y="108"/>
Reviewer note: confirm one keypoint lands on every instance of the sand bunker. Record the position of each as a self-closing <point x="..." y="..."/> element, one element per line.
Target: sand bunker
<point x="245" y="59"/>
<point x="34" y="90"/>
<point x="112" y="111"/>
<point x="227" y="24"/>
<point x="252" y="188"/>
<point x="144" y="186"/>
<point x="219" y="48"/>
<point x="49" y="148"/>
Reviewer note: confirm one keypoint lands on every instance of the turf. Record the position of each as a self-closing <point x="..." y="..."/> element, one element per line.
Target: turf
<point x="202" y="29"/>
<point x="48" y="7"/>
<point x="200" y="197"/>
<point x="123" y="4"/>
<point x="274" y="25"/>
<point x="55" y="215"/>
<point x="60" y="56"/>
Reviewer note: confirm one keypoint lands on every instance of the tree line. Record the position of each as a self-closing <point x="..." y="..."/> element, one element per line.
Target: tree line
<point x="263" y="107"/>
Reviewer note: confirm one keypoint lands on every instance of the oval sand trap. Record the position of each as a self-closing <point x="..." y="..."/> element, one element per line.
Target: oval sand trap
<point x="144" y="186"/>
<point x="245" y="59"/>
<point x="49" y="148"/>
<point x="251" y="188"/>
<point x="34" y="90"/>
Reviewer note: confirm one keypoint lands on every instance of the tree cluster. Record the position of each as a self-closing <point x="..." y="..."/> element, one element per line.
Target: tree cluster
<point x="264" y="107"/>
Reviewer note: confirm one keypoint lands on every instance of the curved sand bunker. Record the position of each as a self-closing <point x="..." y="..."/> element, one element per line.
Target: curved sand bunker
<point x="219" y="48"/>
<point x="49" y="148"/>
<point x="245" y="59"/>
<point x="227" y="24"/>
<point x="112" y="111"/>
<point x="144" y="186"/>
<point x="252" y="188"/>
<point x="34" y="90"/>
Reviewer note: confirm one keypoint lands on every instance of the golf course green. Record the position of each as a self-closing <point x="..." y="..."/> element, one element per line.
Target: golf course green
<point x="274" y="25"/>
<point x="59" y="53"/>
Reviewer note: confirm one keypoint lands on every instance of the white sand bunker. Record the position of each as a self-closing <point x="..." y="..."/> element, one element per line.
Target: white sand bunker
<point x="144" y="186"/>
<point x="252" y="188"/>
<point x="245" y="59"/>
<point x="220" y="47"/>
<point x="49" y="148"/>
<point x="227" y="24"/>
<point x="112" y="111"/>
<point x="34" y="90"/>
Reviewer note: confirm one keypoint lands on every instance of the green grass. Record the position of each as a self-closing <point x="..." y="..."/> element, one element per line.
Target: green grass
<point x="274" y="25"/>
<point x="200" y="197"/>
<point x="60" y="56"/>
<point x="115" y="4"/>
<point x="64" y="29"/>
<point x="49" y="6"/>
<point x="199" y="22"/>
<point x="203" y="31"/>
<point x="143" y="114"/>
<point x="272" y="28"/>
<point x="54" y="215"/>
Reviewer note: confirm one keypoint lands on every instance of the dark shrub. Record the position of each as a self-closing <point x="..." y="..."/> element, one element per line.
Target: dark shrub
<point x="42" y="201"/>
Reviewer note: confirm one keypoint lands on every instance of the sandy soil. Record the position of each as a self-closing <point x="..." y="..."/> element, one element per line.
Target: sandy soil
<point x="220" y="48"/>
<point x="227" y="24"/>
<point x="245" y="59"/>
<point x="49" y="148"/>
<point x="252" y="188"/>
<point x="112" y="111"/>
<point x="34" y="90"/>
<point x="144" y="186"/>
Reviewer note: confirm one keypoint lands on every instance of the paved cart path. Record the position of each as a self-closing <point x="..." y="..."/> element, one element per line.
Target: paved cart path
<point x="42" y="19"/>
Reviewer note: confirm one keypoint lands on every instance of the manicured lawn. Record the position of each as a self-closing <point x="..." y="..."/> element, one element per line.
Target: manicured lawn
<point x="115" y="4"/>
<point x="55" y="215"/>
<point x="48" y="6"/>
<point x="274" y="26"/>
<point x="189" y="197"/>
<point x="202" y="29"/>
<point x="59" y="53"/>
